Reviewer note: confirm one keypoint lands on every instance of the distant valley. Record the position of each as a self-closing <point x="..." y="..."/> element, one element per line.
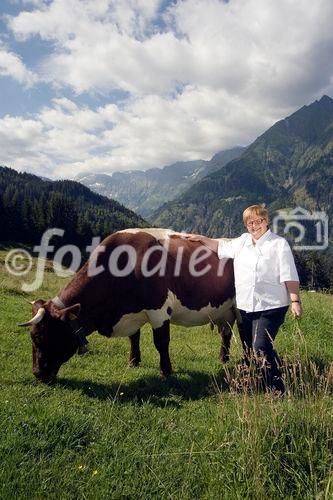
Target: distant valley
<point x="145" y="191"/>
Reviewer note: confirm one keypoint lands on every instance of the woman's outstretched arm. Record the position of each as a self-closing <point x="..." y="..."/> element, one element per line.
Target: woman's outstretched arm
<point x="208" y="242"/>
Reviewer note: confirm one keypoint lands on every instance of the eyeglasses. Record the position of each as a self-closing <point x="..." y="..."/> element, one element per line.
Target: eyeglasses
<point x="256" y="222"/>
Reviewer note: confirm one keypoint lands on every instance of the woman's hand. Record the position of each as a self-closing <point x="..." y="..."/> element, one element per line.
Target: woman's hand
<point x="296" y="309"/>
<point x="293" y="289"/>
<point x="194" y="237"/>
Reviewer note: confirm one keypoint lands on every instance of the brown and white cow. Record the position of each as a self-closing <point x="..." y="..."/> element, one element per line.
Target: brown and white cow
<point x="119" y="305"/>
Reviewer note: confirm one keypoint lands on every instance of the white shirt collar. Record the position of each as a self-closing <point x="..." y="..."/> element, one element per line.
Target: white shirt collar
<point x="260" y="240"/>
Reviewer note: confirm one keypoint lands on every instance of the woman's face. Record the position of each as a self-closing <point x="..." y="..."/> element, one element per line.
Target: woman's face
<point x="256" y="226"/>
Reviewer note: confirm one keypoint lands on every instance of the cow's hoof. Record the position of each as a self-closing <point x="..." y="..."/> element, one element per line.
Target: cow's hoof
<point x="83" y="349"/>
<point x="166" y="372"/>
<point x="224" y="358"/>
<point x="134" y="362"/>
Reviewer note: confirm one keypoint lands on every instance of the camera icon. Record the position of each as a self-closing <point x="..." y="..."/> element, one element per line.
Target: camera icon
<point x="308" y="230"/>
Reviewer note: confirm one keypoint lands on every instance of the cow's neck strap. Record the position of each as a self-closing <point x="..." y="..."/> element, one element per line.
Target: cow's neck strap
<point x="58" y="302"/>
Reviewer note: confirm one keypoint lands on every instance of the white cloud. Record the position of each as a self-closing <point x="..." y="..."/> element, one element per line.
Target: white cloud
<point x="53" y="136"/>
<point x="147" y="132"/>
<point x="247" y="47"/>
<point x="12" y="66"/>
<point x="62" y="20"/>
<point x="201" y="76"/>
<point x="21" y="145"/>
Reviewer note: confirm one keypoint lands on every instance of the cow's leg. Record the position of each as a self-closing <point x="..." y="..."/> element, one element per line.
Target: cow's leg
<point x="135" y="355"/>
<point x="224" y="326"/>
<point x="161" y="340"/>
<point x="226" y="333"/>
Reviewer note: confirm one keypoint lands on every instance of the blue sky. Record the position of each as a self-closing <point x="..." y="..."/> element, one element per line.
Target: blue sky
<point x="97" y="86"/>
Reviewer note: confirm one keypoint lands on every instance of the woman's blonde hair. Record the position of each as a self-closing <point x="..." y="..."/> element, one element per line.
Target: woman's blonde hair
<point x="255" y="211"/>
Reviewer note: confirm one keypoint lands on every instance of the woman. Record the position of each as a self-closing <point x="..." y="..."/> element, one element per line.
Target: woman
<point x="266" y="282"/>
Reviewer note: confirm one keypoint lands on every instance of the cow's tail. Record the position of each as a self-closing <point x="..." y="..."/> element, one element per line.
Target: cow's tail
<point x="237" y="314"/>
<point x="239" y="322"/>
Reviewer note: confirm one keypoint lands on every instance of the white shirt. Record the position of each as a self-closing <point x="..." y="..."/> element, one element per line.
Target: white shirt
<point x="260" y="270"/>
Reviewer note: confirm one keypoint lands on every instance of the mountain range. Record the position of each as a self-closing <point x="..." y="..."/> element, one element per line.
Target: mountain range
<point x="144" y="191"/>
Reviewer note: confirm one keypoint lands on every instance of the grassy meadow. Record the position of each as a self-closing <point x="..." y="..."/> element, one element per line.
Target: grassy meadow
<point x="108" y="431"/>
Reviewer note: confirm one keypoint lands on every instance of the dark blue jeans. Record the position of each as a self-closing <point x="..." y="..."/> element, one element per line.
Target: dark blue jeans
<point x="258" y="333"/>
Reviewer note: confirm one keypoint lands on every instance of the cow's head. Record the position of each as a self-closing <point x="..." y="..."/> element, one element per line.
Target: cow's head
<point x="53" y="338"/>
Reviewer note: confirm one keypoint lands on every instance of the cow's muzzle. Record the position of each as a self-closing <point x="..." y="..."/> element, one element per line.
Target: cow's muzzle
<point x="46" y="378"/>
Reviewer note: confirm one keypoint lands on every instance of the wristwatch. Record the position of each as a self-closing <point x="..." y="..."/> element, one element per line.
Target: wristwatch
<point x="297" y="301"/>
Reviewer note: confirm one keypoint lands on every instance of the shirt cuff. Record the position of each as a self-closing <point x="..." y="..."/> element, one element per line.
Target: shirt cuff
<point x="289" y="277"/>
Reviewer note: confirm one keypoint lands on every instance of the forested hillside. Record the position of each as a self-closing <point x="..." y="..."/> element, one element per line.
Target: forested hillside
<point x="30" y="205"/>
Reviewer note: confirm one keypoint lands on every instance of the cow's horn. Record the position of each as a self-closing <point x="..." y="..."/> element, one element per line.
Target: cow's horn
<point x="36" y="319"/>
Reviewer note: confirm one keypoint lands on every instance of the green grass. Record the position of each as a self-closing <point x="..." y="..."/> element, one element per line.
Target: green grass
<point x="105" y="430"/>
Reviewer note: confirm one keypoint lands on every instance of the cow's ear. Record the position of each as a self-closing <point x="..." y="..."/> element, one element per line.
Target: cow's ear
<point x="70" y="313"/>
